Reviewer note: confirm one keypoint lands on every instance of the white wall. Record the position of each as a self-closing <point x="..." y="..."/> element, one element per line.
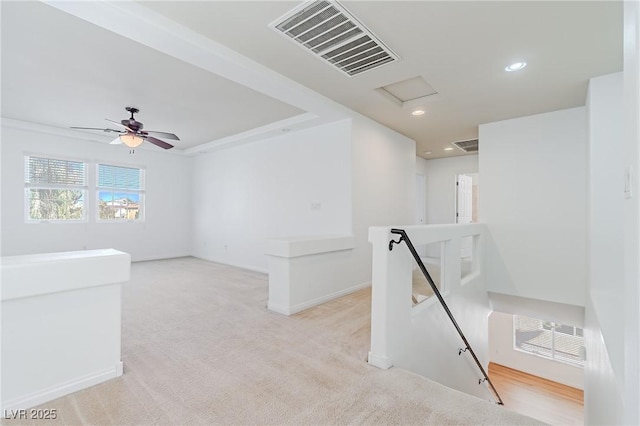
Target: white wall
<point x="534" y="201"/>
<point x="248" y="194"/>
<point x="382" y="175"/>
<point x="421" y="172"/>
<point x="362" y="173"/>
<point x="421" y="165"/>
<point x="501" y="352"/>
<point x="603" y="398"/>
<point x="632" y="210"/>
<point x="434" y="341"/>
<point x="165" y="231"/>
<point x="605" y="308"/>
<point x="384" y="180"/>
<point x="441" y="185"/>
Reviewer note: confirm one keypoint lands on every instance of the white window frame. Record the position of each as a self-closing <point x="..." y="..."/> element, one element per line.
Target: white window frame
<point x="28" y="186"/>
<point x="552" y="357"/>
<point x="140" y="192"/>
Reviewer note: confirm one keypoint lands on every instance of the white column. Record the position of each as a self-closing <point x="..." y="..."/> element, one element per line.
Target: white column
<point x="390" y="297"/>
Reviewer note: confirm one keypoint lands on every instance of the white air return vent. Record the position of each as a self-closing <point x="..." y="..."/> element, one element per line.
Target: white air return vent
<point x="470" y="145"/>
<point x="330" y="32"/>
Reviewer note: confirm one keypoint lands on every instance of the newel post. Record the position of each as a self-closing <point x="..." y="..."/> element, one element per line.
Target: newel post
<point x="390" y="298"/>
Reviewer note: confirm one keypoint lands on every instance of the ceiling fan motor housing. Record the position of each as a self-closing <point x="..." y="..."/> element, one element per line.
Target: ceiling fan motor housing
<point x="131" y="123"/>
<point x="134" y="125"/>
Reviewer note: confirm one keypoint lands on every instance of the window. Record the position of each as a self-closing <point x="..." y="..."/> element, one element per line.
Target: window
<point x="55" y="190"/>
<point x="120" y="193"/>
<point x="548" y="339"/>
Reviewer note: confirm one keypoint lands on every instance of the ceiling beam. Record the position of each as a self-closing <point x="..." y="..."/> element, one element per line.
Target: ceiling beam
<point x="138" y="23"/>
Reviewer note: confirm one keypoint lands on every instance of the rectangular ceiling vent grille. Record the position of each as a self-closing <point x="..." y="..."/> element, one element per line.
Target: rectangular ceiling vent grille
<point x="330" y="32"/>
<point x="468" y="146"/>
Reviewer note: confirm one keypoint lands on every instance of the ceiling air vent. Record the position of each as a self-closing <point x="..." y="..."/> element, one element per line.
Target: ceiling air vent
<point x="330" y="32"/>
<point x="470" y="145"/>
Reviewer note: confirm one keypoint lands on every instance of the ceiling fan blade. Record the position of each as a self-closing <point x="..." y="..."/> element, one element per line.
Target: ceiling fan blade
<point x="119" y="124"/>
<point x="158" y="142"/>
<point x="163" y="135"/>
<point x="116" y="141"/>
<point x="96" y="128"/>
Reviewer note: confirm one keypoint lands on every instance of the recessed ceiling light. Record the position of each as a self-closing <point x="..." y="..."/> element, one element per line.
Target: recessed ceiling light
<point x="517" y="66"/>
<point x="448" y="148"/>
<point x="417" y="112"/>
<point x="427" y="152"/>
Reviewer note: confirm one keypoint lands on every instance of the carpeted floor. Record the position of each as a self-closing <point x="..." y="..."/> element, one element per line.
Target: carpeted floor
<point x="200" y="347"/>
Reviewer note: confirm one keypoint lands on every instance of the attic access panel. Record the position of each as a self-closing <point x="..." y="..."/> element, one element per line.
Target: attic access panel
<point x="328" y="31"/>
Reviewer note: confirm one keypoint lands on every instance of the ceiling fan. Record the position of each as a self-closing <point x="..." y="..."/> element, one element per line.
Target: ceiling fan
<point x="132" y="134"/>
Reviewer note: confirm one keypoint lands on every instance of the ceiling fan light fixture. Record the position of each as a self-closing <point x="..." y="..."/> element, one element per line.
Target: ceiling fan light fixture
<point x="131" y="140"/>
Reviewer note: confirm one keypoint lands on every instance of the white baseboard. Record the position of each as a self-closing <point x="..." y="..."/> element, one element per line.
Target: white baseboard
<point x="60" y="390"/>
<point x="322" y="299"/>
<point x="158" y="257"/>
<point x="234" y="264"/>
<point x="281" y="309"/>
<point x="380" y="361"/>
<point x="290" y="310"/>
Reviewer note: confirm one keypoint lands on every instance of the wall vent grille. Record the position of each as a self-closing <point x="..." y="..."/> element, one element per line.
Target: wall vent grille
<point x="330" y="32"/>
<point x="470" y="145"/>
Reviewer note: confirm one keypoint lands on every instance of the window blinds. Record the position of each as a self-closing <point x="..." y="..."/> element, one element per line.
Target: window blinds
<point x="53" y="172"/>
<point x="117" y="177"/>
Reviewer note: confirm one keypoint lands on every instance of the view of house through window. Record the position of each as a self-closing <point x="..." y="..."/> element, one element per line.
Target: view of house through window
<point x="548" y="339"/>
<point x="55" y="189"/>
<point x="120" y="192"/>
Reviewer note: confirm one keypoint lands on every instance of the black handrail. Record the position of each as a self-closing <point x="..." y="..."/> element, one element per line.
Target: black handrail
<point x="412" y="249"/>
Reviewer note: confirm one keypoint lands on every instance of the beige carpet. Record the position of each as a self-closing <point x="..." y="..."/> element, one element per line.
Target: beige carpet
<point x="199" y="347"/>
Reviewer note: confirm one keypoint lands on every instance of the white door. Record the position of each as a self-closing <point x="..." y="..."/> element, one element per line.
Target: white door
<point x="464" y="209"/>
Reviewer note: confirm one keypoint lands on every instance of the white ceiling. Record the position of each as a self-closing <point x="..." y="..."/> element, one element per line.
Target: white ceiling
<point x="60" y="70"/>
